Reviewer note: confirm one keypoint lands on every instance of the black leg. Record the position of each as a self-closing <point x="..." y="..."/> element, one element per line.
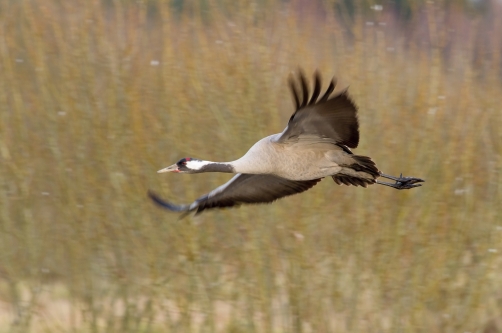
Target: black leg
<point x="402" y="183"/>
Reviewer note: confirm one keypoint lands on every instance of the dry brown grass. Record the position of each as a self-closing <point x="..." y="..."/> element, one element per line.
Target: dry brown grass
<point x="97" y="96"/>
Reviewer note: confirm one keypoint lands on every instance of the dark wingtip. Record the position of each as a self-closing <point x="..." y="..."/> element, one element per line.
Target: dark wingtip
<point x="305" y="88"/>
<point x="317" y="88"/>
<point x="165" y="204"/>
<point x="292" y="86"/>
<point x="328" y="92"/>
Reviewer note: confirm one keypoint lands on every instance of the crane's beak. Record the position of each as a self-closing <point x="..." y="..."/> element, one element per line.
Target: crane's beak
<point x="172" y="168"/>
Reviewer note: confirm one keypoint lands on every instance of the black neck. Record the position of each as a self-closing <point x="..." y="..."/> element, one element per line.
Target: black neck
<point x="218" y="167"/>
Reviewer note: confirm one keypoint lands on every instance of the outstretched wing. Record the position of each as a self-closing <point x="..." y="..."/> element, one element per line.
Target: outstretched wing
<point x="241" y="189"/>
<point x="332" y="118"/>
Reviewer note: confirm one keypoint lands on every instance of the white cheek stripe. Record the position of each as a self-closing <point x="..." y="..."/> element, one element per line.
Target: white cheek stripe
<point x="196" y="165"/>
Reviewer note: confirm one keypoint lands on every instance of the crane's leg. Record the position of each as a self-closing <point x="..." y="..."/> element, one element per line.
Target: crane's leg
<point x="402" y="183"/>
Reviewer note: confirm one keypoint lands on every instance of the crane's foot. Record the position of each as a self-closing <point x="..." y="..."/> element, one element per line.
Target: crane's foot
<point x="402" y="183"/>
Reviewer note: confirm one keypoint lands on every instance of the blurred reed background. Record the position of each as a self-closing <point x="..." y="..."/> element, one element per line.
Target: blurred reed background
<point x="96" y="96"/>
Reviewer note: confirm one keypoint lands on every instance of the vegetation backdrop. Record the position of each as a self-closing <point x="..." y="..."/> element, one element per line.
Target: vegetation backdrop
<point x="96" y="96"/>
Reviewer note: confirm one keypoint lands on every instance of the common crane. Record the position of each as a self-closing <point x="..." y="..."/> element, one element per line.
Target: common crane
<point x="315" y="144"/>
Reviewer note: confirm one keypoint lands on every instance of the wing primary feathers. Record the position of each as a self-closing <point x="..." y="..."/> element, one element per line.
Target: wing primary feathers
<point x="295" y="92"/>
<point x="317" y="88"/>
<point x="168" y="205"/>
<point x="331" y="118"/>
<point x="328" y="92"/>
<point x="305" y="89"/>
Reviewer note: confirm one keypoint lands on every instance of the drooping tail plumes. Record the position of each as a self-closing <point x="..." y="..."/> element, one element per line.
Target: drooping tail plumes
<point x="365" y="164"/>
<point x="363" y="172"/>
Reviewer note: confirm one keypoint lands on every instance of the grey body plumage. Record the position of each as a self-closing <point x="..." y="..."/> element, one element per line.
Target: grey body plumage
<point x="315" y="144"/>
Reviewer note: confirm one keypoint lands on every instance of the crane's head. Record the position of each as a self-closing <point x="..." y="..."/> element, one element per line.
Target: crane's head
<point x="186" y="165"/>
